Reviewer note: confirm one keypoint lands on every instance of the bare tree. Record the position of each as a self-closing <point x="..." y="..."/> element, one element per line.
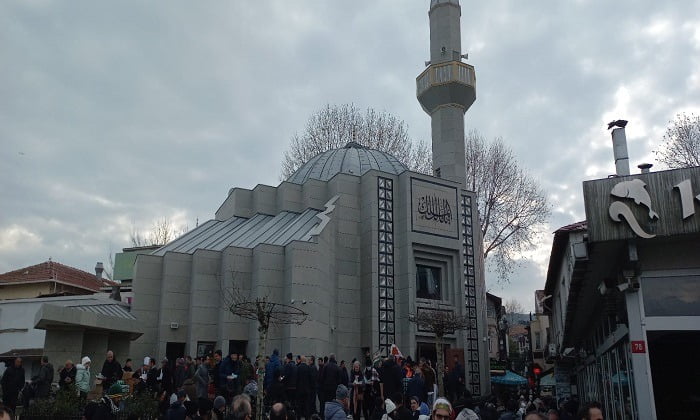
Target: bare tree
<point x="680" y="146"/>
<point x="265" y="312"/>
<point x="336" y="125"/>
<point x="162" y="232"/>
<point x="512" y="206"/>
<point x="513" y="307"/>
<point x="439" y="322"/>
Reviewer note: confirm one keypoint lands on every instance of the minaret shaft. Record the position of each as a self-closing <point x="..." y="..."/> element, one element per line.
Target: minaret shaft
<point x="445" y="32"/>
<point x="446" y="89"/>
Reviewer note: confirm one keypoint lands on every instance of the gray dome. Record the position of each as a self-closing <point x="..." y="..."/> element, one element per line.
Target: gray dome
<point x="352" y="159"/>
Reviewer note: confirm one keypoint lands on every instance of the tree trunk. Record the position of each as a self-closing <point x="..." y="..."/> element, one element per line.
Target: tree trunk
<point x="439" y="372"/>
<point x="262" y="341"/>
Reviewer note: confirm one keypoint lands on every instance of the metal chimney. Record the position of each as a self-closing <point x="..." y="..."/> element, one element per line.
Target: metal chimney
<point x="645" y="167"/>
<point x="99" y="268"/>
<point x="115" y="295"/>
<point x="622" y="160"/>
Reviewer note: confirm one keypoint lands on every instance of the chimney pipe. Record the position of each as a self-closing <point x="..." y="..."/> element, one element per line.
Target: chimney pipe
<point x="115" y="295"/>
<point x="645" y="167"/>
<point x="99" y="268"/>
<point x="622" y="160"/>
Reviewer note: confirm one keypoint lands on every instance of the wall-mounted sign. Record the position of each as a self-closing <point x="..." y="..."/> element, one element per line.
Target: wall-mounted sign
<point x="644" y="205"/>
<point x="434" y="208"/>
<point x="638" y="347"/>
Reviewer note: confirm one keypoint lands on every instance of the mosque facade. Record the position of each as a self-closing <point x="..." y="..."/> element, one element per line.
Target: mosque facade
<point x="353" y="238"/>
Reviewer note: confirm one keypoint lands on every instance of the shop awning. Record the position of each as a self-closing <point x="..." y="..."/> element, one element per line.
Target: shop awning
<point x="510" y="378"/>
<point x="548" y="380"/>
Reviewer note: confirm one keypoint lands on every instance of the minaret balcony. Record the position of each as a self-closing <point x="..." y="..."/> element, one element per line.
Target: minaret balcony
<point x="450" y="83"/>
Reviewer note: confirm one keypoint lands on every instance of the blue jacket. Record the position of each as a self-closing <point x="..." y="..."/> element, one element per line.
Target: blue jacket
<point x="334" y="411"/>
<point x="274" y="365"/>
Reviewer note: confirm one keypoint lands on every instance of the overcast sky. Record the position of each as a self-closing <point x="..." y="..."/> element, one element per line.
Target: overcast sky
<point x="115" y="114"/>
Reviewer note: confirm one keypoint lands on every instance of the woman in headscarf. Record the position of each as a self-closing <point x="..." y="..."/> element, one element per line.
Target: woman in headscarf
<point x="82" y="377"/>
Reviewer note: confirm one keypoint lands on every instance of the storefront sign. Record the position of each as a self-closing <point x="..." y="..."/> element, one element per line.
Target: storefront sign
<point x="434" y="208"/>
<point x="639" y="347"/>
<point x="643" y="206"/>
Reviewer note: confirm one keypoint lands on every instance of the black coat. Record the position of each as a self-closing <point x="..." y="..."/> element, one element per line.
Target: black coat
<point x="67" y="373"/>
<point x="305" y="380"/>
<point x="290" y="375"/>
<point x="12" y="381"/>
<point x="330" y="376"/>
<point x="43" y="381"/>
<point x="112" y="371"/>
<point x="391" y="377"/>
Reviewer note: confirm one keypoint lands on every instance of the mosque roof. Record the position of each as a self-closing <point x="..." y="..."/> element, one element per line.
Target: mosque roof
<point x="352" y="159"/>
<point x="217" y="235"/>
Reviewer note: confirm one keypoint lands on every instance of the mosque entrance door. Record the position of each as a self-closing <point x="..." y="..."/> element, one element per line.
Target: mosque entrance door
<point x="429" y="351"/>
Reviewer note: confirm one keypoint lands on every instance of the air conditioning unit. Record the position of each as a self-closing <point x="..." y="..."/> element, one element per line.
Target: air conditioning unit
<point x="174" y="325"/>
<point x="552" y="350"/>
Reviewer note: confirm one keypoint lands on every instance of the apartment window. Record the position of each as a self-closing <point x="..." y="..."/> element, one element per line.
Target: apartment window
<point x="428" y="282"/>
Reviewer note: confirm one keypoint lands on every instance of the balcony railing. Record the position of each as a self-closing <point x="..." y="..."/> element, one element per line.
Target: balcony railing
<point x="452" y="71"/>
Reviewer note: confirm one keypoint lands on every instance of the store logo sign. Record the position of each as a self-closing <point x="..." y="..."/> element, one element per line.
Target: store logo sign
<point x="636" y="191"/>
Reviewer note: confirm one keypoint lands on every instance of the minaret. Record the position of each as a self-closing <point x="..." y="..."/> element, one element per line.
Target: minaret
<point x="446" y="89"/>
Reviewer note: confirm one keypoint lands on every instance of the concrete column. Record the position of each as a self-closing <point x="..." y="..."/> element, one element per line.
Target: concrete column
<point x="448" y="143"/>
<point x="95" y="346"/>
<point x="640" y="363"/>
<point x="62" y="345"/>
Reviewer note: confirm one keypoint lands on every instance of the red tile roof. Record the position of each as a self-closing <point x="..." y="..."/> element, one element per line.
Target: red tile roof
<point x="53" y="271"/>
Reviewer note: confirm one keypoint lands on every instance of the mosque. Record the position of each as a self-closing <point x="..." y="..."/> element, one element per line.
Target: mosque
<point x="353" y="238"/>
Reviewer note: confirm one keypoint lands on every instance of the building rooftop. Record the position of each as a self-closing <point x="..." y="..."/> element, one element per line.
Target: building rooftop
<point x="352" y="159"/>
<point x="54" y="271"/>
<point x="217" y="235"/>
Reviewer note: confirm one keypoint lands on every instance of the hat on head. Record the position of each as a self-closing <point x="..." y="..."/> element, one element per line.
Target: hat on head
<point x="219" y="402"/>
<point x="85" y="360"/>
<point x="390" y="406"/>
<point x="443" y="404"/>
<point x="341" y="392"/>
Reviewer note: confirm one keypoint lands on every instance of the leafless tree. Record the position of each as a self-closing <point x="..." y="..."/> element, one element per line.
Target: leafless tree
<point x="162" y="232"/>
<point x="265" y="312"/>
<point x="336" y="125"/>
<point x="512" y="206"/>
<point x="680" y="146"/>
<point x="513" y="307"/>
<point x="439" y="322"/>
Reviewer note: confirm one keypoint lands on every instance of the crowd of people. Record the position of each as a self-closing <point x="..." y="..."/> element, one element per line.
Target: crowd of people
<point x="295" y="387"/>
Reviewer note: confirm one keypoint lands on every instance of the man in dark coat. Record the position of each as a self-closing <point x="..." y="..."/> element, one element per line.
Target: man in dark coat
<point x="330" y="378"/>
<point x="67" y="375"/>
<point x="304" y="388"/>
<point x="166" y="377"/>
<point x="313" y="372"/>
<point x="12" y="382"/>
<point x="391" y="377"/>
<point x="44" y="379"/>
<point x="290" y="379"/>
<point x="111" y="370"/>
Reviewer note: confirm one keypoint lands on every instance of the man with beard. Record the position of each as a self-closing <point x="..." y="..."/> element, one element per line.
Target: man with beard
<point x="12" y="383"/>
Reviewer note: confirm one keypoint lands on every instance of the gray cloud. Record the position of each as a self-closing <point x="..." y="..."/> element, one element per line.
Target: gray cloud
<point x="116" y="114"/>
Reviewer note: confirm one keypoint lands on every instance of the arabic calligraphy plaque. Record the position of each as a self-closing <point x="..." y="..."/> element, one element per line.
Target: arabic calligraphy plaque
<point x="434" y="208"/>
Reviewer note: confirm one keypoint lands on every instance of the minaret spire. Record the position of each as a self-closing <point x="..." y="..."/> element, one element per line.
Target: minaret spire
<point x="446" y="89"/>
